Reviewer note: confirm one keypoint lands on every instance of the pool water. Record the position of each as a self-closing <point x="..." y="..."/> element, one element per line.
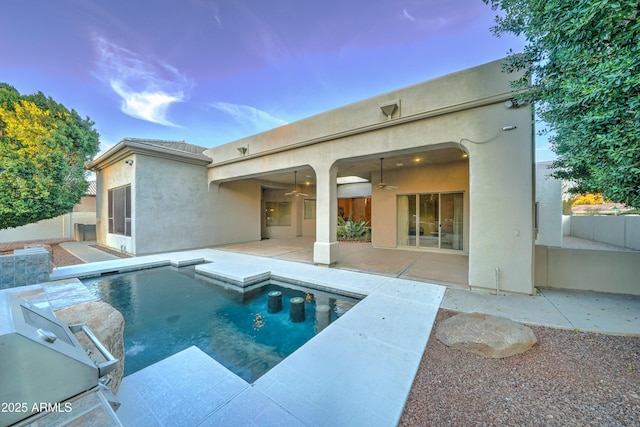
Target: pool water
<point x="167" y="310"/>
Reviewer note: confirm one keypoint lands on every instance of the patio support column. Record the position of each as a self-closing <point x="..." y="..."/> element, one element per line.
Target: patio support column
<point x="325" y="248"/>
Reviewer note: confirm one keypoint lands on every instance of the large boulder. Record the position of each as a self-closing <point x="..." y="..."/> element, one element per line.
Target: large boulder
<point x="489" y="336"/>
<point x="107" y="324"/>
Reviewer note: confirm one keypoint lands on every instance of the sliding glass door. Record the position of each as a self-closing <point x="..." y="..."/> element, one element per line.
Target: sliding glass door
<point x="431" y="220"/>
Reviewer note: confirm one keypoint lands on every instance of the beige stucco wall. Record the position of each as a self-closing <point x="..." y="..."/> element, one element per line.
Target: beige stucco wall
<point x="549" y="198"/>
<point x="60" y="227"/>
<point x="436" y="96"/>
<point x="117" y="175"/>
<point x="447" y="112"/>
<point x="171" y="205"/>
<point x="54" y="228"/>
<point x="589" y="270"/>
<point x="623" y="230"/>
<point x="234" y="214"/>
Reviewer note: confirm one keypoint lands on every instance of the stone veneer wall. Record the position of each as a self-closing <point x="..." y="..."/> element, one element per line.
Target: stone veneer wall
<point x="24" y="267"/>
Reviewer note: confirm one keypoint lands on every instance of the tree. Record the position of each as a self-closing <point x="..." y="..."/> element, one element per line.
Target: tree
<point x="43" y="150"/>
<point x="581" y="68"/>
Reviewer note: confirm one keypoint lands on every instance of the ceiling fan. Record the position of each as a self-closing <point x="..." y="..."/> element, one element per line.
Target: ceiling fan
<point x="382" y="185"/>
<point x="295" y="191"/>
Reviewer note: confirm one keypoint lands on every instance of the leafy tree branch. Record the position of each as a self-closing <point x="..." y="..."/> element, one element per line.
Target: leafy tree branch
<point x="43" y="150"/>
<point x="582" y="74"/>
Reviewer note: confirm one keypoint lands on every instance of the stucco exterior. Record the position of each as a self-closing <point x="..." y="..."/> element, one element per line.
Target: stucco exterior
<point x="450" y="135"/>
<point x="463" y="113"/>
<point x="549" y="199"/>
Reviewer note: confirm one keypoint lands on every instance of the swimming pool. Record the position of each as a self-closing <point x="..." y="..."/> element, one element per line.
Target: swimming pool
<point x="167" y="310"/>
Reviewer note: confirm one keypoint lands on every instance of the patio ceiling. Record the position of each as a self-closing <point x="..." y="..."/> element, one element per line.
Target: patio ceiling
<point x="365" y="167"/>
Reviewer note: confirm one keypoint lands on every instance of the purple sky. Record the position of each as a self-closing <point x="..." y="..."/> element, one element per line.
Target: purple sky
<point x="209" y="71"/>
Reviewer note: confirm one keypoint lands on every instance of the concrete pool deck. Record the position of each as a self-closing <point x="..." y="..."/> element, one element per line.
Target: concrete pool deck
<point x="359" y="370"/>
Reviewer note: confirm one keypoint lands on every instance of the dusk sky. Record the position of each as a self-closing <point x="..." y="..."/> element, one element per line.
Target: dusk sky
<point x="209" y="72"/>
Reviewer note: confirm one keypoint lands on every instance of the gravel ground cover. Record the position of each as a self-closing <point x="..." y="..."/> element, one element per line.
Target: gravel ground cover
<point x="570" y="378"/>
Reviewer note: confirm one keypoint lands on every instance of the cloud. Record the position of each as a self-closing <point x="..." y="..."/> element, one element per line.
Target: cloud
<point x="249" y="116"/>
<point x="405" y="13"/>
<point x="147" y="87"/>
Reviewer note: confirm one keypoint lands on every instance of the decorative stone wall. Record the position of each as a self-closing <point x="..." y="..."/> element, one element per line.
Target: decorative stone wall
<point x="24" y="267"/>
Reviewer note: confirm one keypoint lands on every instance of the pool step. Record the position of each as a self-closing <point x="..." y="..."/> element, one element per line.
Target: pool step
<point x="237" y="276"/>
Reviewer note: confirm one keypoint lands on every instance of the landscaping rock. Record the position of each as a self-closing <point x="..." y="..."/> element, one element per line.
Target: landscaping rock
<point x="485" y="335"/>
<point x="108" y="326"/>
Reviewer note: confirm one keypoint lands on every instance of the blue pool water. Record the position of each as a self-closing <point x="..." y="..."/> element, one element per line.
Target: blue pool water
<point x="167" y="310"/>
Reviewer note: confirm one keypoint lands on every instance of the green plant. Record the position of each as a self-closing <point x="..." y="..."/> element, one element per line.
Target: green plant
<point x="352" y="230"/>
<point x="581" y="72"/>
<point x="43" y="149"/>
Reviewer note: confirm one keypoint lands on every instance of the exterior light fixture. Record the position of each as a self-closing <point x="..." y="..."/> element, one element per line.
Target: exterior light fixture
<point x="511" y="103"/>
<point x="390" y="108"/>
<point x="506" y="128"/>
<point x="129" y="162"/>
<point x="243" y="150"/>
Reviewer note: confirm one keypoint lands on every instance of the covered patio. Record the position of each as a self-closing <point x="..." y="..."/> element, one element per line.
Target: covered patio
<point x="450" y="269"/>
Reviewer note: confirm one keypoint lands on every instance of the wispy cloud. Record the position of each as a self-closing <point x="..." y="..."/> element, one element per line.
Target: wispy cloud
<point x="147" y="87"/>
<point x="405" y="13"/>
<point x="249" y="116"/>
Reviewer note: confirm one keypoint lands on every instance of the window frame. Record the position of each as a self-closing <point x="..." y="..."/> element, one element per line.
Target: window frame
<point x="119" y="210"/>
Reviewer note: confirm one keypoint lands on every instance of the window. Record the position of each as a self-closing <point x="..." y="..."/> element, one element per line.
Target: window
<point x="431" y="220"/>
<point x="309" y="208"/>
<point x="278" y="213"/>
<point x="119" y="205"/>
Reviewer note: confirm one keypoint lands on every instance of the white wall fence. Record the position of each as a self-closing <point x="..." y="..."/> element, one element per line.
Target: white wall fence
<point x="61" y="227"/>
<point x="589" y="270"/>
<point x="623" y="230"/>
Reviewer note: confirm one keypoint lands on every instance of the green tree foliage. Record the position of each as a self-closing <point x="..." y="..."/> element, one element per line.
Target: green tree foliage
<point x="582" y="72"/>
<point x="43" y="150"/>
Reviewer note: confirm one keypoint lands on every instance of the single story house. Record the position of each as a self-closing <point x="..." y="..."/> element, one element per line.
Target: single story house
<point x="446" y="165"/>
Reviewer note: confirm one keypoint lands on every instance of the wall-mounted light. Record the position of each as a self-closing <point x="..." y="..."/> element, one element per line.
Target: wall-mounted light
<point x="506" y="128"/>
<point x="511" y="103"/>
<point x="243" y="150"/>
<point x="390" y="109"/>
<point x="129" y="162"/>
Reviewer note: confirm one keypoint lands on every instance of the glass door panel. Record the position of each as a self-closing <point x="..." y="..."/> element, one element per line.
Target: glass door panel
<point x="429" y="221"/>
<point x="406" y="220"/>
<point x="451" y="212"/>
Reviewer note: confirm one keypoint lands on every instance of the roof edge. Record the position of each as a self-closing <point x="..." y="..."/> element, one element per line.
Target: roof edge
<point x="130" y="146"/>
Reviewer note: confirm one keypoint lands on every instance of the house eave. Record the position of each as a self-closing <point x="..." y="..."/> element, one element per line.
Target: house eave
<point x="127" y="147"/>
